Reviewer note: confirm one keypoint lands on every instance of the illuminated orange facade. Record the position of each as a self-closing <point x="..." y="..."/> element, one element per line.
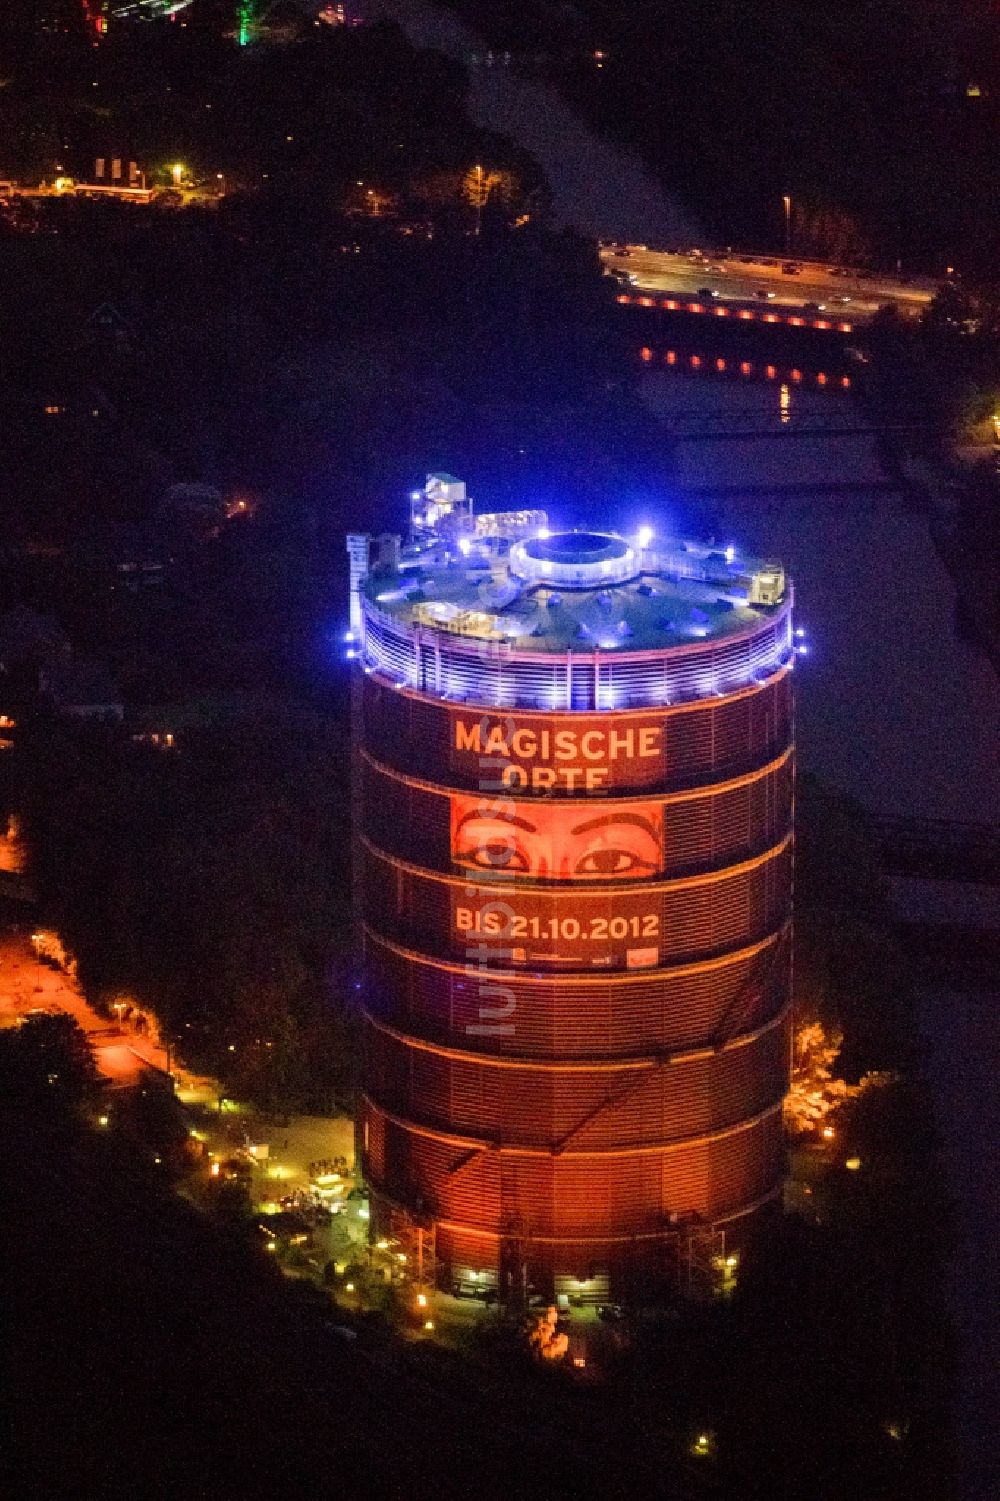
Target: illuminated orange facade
<point x="576" y="918"/>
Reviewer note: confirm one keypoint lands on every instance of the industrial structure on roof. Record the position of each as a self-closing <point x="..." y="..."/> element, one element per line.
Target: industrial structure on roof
<point x="574" y="825"/>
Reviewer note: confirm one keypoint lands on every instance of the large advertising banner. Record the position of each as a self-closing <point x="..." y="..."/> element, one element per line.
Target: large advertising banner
<point x="587" y="845"/>
<point x="553" y="841"/>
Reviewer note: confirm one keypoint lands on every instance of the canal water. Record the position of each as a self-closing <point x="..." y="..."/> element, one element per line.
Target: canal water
<point x="595" y="188"/>
<point x="894" y="707"/>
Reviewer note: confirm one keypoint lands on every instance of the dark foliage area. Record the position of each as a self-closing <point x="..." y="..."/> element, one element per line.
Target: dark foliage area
<point x="212" y="882"/>
<point x="850" y="972"/>
<point x="149" y="1352"/>
<point x="327" y="328"/>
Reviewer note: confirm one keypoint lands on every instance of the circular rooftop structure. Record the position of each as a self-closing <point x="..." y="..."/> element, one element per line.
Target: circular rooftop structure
<point x="574" y="560"/>
<point x="574" y="620"/>
<point x="576" y="547"/>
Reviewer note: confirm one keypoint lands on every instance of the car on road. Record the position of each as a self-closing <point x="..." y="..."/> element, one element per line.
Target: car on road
<point x="814" y="307"/>
<point x="708" y="292"/>
<point x="764" y="294"/>
<point x="789" y="268"/>
<point x="844" y="297"/>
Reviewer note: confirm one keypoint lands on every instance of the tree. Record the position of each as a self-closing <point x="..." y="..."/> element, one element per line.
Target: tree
<point x="815" y="1090"/>
<point x="47" y="1057"/>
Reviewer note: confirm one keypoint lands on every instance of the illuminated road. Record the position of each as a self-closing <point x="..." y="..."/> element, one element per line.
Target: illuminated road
<point x="121" y="1054"/>
<point x="739" y="280"/>
<point x="27" y="984"/>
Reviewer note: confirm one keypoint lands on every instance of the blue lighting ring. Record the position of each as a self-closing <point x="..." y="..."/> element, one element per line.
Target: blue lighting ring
<point x="491" y="674"/>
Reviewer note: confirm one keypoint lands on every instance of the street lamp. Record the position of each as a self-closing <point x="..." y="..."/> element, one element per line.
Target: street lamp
<point x="787" y="202"/>
<point x="479" y="196"/>
<point x="177" y="172"/>
<point x="220" y="178"/>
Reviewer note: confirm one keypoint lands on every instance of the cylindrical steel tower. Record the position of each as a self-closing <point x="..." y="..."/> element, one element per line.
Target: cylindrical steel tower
<point x="574" y="845"/>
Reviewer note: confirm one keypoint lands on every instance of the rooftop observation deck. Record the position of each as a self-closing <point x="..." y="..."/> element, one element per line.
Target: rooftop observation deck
<point x="575" y="620"/>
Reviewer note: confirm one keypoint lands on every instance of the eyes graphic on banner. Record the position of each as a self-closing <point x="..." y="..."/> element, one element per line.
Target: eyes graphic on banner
<point x="558" y="842"/>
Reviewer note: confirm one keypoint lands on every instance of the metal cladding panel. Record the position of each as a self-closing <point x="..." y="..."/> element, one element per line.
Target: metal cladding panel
<point x="573" y="927"/>
<point x="373" y="1127"/>
<point x="459" y="1249"/>
<point x="701" y="830"/>
<point x="451" y="1181"/>
<point x="411" y="822"/>
<point x="509" y="1013"/>
<point x="597" y="1199"/>
<point x="463" y="746"/>
<point x="581" y="1108"/>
